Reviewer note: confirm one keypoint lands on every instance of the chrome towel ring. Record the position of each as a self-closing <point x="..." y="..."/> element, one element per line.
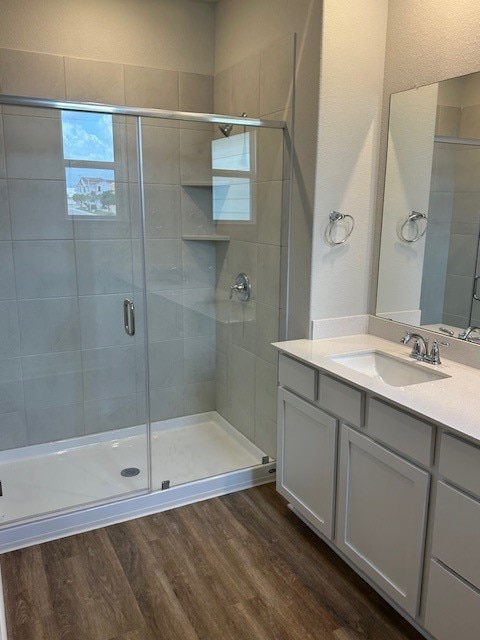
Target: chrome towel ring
<point x="413" y="218"/>
<point x="333" y="218"/>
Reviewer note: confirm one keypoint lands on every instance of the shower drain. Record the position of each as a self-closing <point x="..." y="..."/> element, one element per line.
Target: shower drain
<point x="129" y="472"/>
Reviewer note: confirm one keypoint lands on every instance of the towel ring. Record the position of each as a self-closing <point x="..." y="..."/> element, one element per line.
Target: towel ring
<point x="413" y="217"/>
<point x="333" y="218"/>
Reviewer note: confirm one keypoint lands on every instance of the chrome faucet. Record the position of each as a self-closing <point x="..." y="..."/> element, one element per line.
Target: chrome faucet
<point x="420" y="348"/>
<point x="465" y="335"/>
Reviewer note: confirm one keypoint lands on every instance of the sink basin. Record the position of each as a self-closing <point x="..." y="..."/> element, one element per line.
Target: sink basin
<point x="389" y="369"/>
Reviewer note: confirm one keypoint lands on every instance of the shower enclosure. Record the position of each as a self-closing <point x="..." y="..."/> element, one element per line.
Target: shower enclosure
<point x="126" y="348"/>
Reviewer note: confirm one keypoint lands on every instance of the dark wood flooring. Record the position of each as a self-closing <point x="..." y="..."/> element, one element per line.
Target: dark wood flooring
<point x="240" y="567"/>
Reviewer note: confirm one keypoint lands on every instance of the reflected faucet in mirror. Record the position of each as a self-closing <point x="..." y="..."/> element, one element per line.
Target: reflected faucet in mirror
<point x="466" y="335"/>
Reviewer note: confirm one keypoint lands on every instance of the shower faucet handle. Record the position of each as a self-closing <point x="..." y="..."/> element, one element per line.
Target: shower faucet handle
<point x="236" y="287"/>
<point x="242" y="287"/>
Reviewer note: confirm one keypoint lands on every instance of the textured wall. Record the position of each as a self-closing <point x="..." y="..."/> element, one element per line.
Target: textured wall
<point x="430" y="41"/>
<point x="170" y="34"/>
<point x="353" y="35"/>
<point x="427" y="41"/>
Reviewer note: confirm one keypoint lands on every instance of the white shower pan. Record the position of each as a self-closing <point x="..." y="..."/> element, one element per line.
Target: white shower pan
<point x="195" y="456"/>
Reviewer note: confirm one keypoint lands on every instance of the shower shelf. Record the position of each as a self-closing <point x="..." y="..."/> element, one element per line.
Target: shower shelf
<point x="197" y="183"/>
<point x="211" y="238"/>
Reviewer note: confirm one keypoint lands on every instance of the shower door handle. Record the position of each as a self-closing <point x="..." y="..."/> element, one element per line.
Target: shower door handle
<point x="475" y="287"/>
<point x="129" y="317"/>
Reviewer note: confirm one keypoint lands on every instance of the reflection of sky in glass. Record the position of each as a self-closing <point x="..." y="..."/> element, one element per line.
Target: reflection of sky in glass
<point x="87" y="136"/>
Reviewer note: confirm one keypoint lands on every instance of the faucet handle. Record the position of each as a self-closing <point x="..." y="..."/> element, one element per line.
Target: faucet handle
<point x="416" y="349"/>
<point x="435" y="352"/>
<point x="406" y="337"/>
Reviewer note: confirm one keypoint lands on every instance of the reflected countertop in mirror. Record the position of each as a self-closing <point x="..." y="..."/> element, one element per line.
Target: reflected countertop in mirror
<point x="429" y="268"/>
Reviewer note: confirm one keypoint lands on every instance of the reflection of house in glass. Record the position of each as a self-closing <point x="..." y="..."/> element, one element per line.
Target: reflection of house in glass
<point x="94" y="185"/>
<point x="91" y="194"/>
<point x="89" y="155"/>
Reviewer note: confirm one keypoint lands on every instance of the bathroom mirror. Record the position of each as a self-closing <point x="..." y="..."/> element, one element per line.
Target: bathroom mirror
<point x="429" y="268"/>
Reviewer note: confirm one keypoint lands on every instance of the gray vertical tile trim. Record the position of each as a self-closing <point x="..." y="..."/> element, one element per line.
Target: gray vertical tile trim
<point x="10" y="333"/>
<point x="3" y="171"/>
<point x="5" y="225"/>
<point x="7" y="276"/>
<point x="241" y="390"/>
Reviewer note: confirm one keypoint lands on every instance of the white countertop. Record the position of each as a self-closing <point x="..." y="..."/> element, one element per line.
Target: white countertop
<point x="451" y="402"/>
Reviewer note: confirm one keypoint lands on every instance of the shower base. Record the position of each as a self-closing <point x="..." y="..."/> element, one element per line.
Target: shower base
<point x="193" y="457"/>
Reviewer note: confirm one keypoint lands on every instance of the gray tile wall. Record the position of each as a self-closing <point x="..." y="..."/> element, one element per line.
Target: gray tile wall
<point x="437" y="238"/>
<point x="262" y="86"/>
<point x="462" y="256"/>
<point x="65" y="361"/>
<point x="454" y="222"/>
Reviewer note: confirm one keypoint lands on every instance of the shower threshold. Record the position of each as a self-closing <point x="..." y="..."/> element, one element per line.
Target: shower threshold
<point x="193" y="456"/>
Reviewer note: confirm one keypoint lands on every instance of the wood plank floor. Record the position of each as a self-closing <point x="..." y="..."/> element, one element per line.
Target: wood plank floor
<point x="240" y="567"/>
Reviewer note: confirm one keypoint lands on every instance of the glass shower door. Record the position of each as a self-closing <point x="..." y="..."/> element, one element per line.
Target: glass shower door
<point x="73" y="425"/>
<point x="213" y="210"/>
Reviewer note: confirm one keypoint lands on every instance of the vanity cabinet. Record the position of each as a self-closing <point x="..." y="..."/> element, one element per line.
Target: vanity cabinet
<point x="377" y="514"/>
<point x="452" y="608"/>
<point x="381" y="516"/>
<point x="397" y="496"/>
<point x="307" y="441"/>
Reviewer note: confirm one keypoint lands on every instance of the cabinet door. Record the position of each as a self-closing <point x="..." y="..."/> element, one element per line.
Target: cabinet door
<point x="382" y="504"/>
<point x="306" y="459"/>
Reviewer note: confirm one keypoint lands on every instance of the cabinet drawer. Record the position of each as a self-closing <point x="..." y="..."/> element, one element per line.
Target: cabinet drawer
<point x="452" y="607"/>
<point x="456" y="533"/>
<point x="298" y="377"/>
<point x="341" y="400"/>
<point x="400" y="430"/>
<point x="460" y="463"/>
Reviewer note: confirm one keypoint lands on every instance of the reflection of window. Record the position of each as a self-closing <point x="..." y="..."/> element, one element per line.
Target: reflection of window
<point x="88" y="152"/>
<point x="233" y="169"/>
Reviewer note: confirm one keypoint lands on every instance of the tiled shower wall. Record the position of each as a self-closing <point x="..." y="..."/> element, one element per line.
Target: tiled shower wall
<point x="262" y="86"/>
<point x="59" y="363"/>
<point x="454" y="221"/>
